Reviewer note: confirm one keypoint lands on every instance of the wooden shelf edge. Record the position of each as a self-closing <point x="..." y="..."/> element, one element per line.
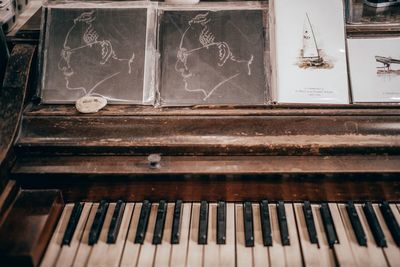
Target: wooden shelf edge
<point x="207" y="165"/>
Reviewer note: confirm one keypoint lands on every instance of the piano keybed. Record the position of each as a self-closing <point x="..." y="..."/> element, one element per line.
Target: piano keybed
<point x="226" y="234"/>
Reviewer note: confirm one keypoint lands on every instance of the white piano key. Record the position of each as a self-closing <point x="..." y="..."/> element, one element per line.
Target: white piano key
<point x="131" y="250"/>
<point x="115" y="250"/>
<point x="148" y="250"/>
<point x="84" y="248"/>
<point x="292" y="252"/>
<point x="227" y="251"/>
<point x="244" y="255"/>
<point x="109" y="255"/>
<point x="211" y="250"/>
<point x="195" y="251"/>
<point x="360" y="253"/>
<point x="343" y="252"/>
<point x="260" y="252"/>
<point x="54" y="247"/>
<point x="392" y="252"/>
<point x="325" y="253"/>
<point x="396" y="212"/>
<point x="67" y="254"/>
<point x="310" y="251"/>
<point x="179" y="251"/>
<point x="99" y="256"/>
<point x="375" y="254"/>
<point x="276" y="251"/>
<point x="163" y="251"/>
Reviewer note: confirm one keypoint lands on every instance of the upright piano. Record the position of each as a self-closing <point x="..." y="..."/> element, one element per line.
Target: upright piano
<point x="280" y="185"/>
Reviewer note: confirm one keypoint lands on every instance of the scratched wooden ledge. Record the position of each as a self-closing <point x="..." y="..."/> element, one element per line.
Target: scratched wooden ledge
<point x="230" y="187"/>
<point x="208" y="165"/>
<point x="388" y="109"/>
<point x="372" y="29"/>
<point x="210" y="135"/>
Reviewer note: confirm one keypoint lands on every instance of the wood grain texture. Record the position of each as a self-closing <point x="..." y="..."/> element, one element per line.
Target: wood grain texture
<point x="29" y="226"/>
<point x="207" y="165"/>
<point x="288" y="187"/>
<point x="7" y="197"/>
<point x="210" y="135"/>
<point x="362" y="109"/>
<point x="12" y="97"/>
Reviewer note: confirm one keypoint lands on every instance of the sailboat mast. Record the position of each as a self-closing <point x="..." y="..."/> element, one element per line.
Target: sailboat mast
<point x="312" y="31"/>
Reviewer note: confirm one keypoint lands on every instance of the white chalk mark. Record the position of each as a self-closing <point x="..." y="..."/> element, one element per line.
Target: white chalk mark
<point x="206" y="39"/>
<point x="102" y="81"/>
<point x="218" y="85"/>
<point x="89" y="39"/>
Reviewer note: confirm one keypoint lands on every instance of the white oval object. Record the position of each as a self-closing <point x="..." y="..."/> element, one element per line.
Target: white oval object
<point x="90" y="104"/>
<point x="182" y="2"/>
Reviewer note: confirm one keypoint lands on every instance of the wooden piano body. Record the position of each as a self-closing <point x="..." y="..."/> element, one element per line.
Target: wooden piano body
<point x="276" y="152"/>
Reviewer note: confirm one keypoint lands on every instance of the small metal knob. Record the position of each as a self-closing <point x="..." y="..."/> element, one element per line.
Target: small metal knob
<point x="154" y="161"/>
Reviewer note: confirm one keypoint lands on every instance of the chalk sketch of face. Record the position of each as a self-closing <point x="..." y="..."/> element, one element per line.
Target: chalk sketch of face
<point x="84" y="60"/>
<point x="203" y="68"/>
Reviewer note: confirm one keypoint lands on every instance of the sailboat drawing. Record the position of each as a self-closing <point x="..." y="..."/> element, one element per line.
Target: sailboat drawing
<point x="387" y="63"/>
<point x="310" y="53"/>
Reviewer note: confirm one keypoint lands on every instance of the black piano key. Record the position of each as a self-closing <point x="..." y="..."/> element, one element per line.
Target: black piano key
<point x="329" y="226"/>
<point x="72" y="223"/>
<point x="265" y="223"/>
<point x="98" y="222"/>
<point x="143" y="222"/>
<point x="356" y="224"/>
<point x="308" y="215"/>
<point x="248" y="224"/>
<point x="115" y="222"/>
<point x="203" y="223"/>
<point x="160" y="222"/>
<point x="283" y="225"/>
<point x="391" y="222"/>
<point x="175" y="233"/>
<point x="374" y="225"/>
<point x="221" y="223"/>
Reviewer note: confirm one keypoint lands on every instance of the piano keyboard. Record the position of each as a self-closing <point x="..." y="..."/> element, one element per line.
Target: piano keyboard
<point x="226" y="234"/>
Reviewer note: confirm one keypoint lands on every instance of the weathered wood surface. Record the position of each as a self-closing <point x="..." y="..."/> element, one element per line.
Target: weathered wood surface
<point x="4" y="55"/>
<point x="210" y="135"/>
<point x="28" y="227"/>
<point x="371" y="109"/>
<point x="372" y="30"/>
<point x="207" y="165"/>
<point x="288" y="187"/>
<point x="7" y="197"/>
<point x="12" y="97"/>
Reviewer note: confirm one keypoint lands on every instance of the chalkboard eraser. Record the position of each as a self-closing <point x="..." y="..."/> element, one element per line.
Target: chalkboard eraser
<point x="182" y="2"/>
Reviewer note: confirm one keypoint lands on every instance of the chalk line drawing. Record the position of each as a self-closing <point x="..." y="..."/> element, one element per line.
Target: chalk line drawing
<point x="89" y="40"/>
<point x="387" y="65"/>
<point x="311" y="56"/>
<point x="206" y="41"/>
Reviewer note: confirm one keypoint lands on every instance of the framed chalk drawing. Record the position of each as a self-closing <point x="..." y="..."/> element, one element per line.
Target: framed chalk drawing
<point x="94" y="49"/>
<point x="213" y="56"/>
